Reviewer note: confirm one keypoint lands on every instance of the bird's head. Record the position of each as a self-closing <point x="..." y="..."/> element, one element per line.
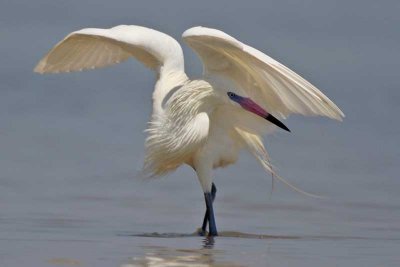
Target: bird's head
<point x="251" y="106"/>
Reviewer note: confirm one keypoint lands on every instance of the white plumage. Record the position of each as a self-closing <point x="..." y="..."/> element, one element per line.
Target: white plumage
<point x="202" y="123"/>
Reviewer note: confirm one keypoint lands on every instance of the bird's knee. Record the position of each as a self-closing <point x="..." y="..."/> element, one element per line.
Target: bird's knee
<point x="213" y="190"/>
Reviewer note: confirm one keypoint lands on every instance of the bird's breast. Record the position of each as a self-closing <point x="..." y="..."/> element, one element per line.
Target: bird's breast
<point x="222" y="147"/>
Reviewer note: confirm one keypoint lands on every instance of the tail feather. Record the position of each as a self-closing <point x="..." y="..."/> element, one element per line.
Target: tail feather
<point x="256" y="147"/>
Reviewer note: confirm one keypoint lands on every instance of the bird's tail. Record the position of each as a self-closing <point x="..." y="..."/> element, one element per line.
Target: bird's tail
<point x="256" y="147"/>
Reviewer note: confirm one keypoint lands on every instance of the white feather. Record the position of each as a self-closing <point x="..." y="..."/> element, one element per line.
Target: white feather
<point x="94" y="48"/>
<point x="277" y="88"/>
<point x="194" y="122"/>
<point x="183" y="128"/>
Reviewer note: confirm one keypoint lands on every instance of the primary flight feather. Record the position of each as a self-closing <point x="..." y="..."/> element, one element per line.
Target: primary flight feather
<point x="203" y="123"/>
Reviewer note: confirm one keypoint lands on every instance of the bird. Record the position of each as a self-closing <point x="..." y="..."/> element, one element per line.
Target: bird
<point x="204" y="123"/>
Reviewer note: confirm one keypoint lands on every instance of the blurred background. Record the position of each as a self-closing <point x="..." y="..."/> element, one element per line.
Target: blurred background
<point x="71" y="145"/>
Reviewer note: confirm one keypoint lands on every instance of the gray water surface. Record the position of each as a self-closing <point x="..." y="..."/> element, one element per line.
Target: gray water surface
<point x="71" y="145"/>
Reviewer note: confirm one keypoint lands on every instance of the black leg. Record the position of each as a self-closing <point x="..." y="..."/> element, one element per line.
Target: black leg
<point x="206" y="215"/>
<point x="211" y="219"/>
<point x="205" y="221"/>
<point x="210" y="211"/>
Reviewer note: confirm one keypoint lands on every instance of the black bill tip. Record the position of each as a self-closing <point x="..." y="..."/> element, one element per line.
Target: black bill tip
<point x="277" y="122"/>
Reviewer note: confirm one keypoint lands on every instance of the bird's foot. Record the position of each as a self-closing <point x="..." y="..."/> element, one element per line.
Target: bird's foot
<point x="201" y="232"/>
<point x="213" y="233"/>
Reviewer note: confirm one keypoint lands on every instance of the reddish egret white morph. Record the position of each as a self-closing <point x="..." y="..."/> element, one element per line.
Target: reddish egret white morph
<point x="203" y="123"/>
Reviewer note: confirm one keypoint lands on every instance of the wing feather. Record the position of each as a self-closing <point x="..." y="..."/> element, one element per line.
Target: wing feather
<point x="95" y="48"/>
<point x="280" y="89"/>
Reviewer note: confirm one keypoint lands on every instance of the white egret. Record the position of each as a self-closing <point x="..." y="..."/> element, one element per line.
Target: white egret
<point x="202" y="123"/>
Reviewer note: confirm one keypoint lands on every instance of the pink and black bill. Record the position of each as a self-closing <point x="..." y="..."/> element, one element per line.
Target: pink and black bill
<point x="251" y="106"/>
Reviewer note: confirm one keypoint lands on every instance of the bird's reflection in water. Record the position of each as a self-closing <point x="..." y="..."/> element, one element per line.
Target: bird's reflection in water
<point x="157" y="256"/>
<point x="208" y="242"/>
<point x="205" y="255"/>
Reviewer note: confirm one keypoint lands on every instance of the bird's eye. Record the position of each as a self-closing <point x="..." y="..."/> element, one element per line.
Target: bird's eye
<point x="230" y="94"/>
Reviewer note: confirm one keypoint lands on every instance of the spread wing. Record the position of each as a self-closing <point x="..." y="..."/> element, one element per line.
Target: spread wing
<point x="94" y="48"/>
<point x="275" y="87"/>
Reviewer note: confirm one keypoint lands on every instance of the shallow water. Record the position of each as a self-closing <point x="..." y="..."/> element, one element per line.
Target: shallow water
<point x="124" y="222"/>
<point x="71" y="145"/>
